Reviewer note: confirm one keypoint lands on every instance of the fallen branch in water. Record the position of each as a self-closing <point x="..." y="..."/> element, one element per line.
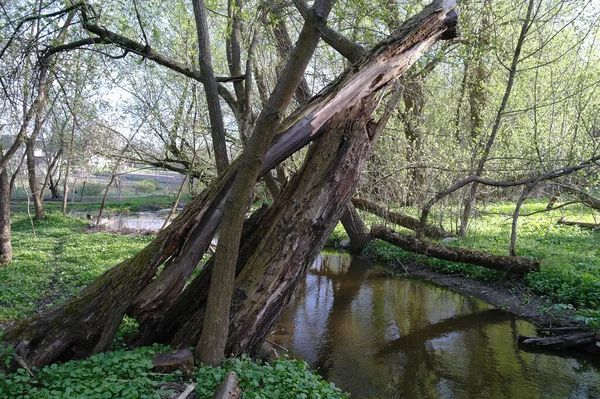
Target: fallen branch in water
<point x="586" y="341"/>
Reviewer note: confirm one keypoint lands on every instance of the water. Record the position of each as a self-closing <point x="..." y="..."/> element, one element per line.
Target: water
<point x="141" y="221"/>
<point x="380" y="336"/>
<point x="150" y="221"/>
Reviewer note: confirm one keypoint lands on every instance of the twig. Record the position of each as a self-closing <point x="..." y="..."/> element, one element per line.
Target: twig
<point x="277" y="345"/>
<point x="189" y="389"/>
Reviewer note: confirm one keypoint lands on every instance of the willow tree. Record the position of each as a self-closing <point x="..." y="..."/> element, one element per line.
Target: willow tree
<point x="279" y="243"/>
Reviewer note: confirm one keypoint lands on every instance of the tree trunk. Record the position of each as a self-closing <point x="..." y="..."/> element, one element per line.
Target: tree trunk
<point x="35" y="191"/>
<point x="357" y="231"/>
<point x="87" y="323"/>
<point x="5" y="241"/>
<point x="509" y="264"/>
<point x="406" y="221"/>
<point x="275" y="266"/>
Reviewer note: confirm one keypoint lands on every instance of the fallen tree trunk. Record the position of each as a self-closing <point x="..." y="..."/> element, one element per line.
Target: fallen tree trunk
<point x="401" y="219"/>
<point x="87" y="323"/>
<point x="510" y="264"/>
<point x="578" y="224"/>
<point x="584" y="341"/>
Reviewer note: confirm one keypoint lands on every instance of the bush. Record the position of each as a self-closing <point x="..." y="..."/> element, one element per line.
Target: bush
<point x="92" y="189"/>
<point x="145" y="186"/>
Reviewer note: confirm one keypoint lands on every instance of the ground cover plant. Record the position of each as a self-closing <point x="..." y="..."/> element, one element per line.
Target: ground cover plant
<point x="58" y="262"/>
<point x="128" y="374"/>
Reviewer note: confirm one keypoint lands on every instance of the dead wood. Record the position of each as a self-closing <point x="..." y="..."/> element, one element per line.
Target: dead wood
<point x="584" y="341"/>
<point x="578" y="224"/>
<point x="511" y="264"/>
<point x="401" y="219"/>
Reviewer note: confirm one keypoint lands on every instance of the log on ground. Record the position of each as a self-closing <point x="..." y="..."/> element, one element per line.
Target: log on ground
<point x="511" y="264"/>
<point x="583" y="225"/>
<point x="584" y="341"/>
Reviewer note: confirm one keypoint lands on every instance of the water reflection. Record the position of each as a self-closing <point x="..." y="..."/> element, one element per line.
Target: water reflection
<point x="380" y="336"/>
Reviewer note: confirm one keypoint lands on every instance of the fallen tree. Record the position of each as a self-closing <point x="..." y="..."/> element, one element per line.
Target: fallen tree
<point x="583" y="341"/>
<point x="401" y="219"/>
<point x="583" y="225"/>
<point x="287" y="238"/>
<point x="510" y="264"/>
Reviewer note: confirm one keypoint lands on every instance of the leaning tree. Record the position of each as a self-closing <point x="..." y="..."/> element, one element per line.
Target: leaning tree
<point x="278" y="243"/>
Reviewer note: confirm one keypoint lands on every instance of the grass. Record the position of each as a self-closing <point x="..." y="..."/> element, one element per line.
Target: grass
<point x="140" y="203"/>
<point x="57" y="263"/>
<point x="570" y="256"/>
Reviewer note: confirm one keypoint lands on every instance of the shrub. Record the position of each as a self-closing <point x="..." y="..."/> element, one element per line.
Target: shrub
<point x="145" y="186"/>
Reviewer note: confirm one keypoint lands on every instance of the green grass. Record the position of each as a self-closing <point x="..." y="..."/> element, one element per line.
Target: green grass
<point x="128" y="374"/>
<point x="570" y="256"/>
<point x="57" y="263"/>
<point x="138" y="203"/>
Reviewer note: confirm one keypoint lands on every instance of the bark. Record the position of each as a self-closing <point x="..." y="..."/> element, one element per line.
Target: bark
<point x="357" y="231"/>
<point x="210" y="87"/>
<point x="401" y="219"/>
<point x="5" y="236"/>
<point x="584" y="197"/>
<point x="509" y="264"/>
<point x="275" y="266"/>
<point x="87" y="323"/>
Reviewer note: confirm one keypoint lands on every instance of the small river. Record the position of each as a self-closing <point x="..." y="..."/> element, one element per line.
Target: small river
<point x="381" y="336"/>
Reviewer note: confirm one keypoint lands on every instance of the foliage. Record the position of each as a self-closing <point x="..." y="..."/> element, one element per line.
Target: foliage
<point x="128" y="374"/>
<point x="278" y="379"/>
<point x="146" y="186"/>
<point x="57" y="263"/>
<point x="92" y="189"/>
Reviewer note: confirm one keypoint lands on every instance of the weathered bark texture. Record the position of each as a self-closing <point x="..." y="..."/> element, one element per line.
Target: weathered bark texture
<point x="510" y="264"/>
<point x="584" y="341"/>
<point x="406" y="221"/>
<point x="286" y="239"/>
<point x="87" y="323"/>
<point x="357" y="231"/>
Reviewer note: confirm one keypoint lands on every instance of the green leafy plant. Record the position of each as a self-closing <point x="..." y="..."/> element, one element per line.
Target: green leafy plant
<point x="146" y="186"/>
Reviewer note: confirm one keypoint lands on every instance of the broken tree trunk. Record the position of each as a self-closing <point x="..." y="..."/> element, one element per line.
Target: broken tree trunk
<point x="293" y="231"/>
<point x="87" y="323"/>
<point x="401" y="219"/>
<point x="510" y="264"/>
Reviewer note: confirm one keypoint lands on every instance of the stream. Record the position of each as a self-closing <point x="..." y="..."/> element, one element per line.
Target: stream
<point x="376" y="335"/>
